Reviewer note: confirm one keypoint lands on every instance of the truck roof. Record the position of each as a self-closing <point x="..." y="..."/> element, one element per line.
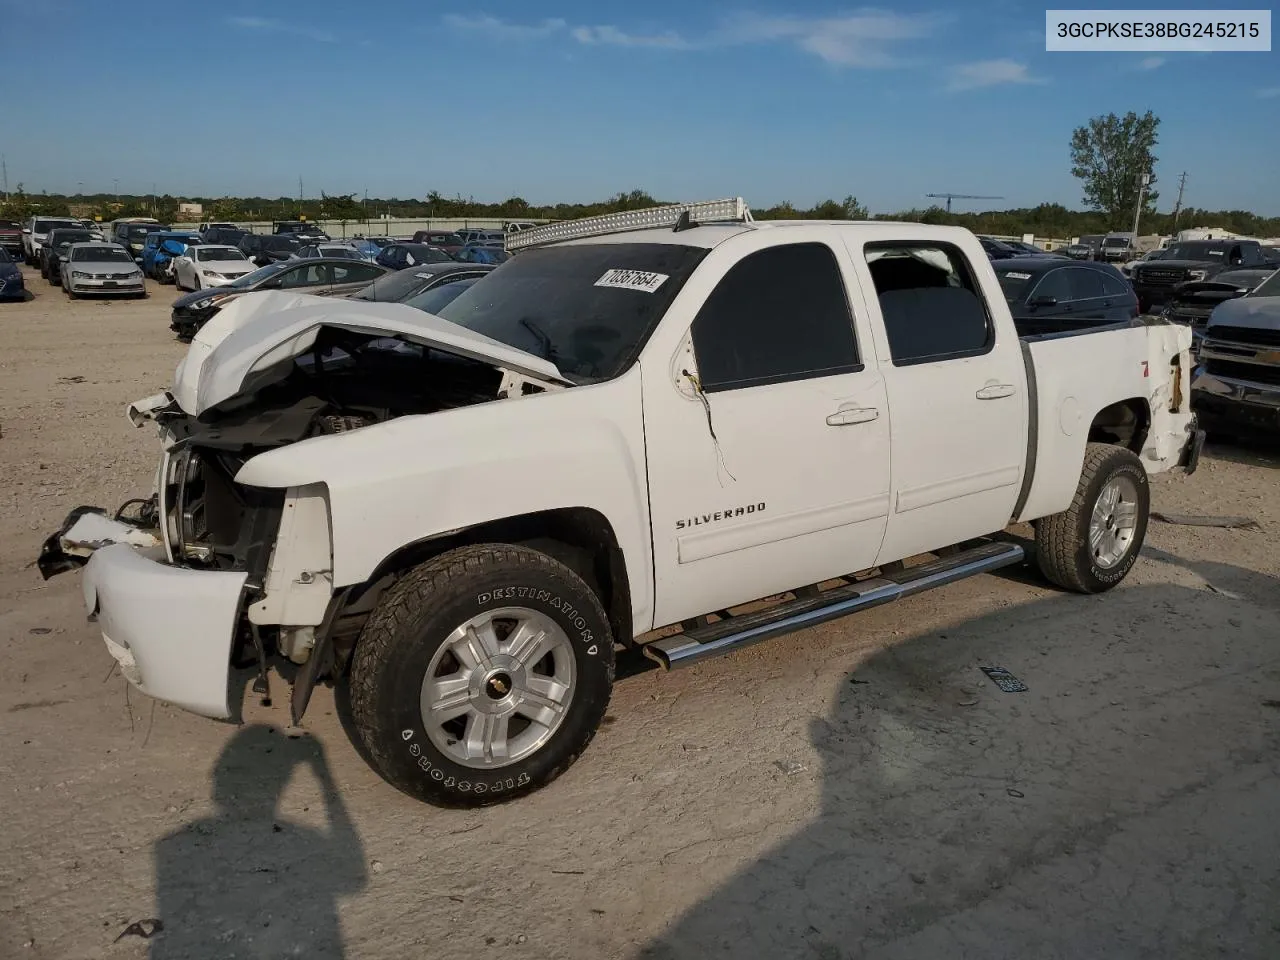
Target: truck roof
<point x="713" y="234"/>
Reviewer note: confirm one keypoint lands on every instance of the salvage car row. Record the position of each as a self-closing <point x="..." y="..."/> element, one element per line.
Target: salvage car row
<point x="118" y="260"/>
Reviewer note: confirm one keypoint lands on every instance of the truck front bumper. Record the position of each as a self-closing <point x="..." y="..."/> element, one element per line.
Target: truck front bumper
<point x="1232" y="404"/>
<point x="170" y="628"/>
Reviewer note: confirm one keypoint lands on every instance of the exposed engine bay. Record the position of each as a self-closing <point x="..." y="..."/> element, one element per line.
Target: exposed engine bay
<point x="344" y="382"/>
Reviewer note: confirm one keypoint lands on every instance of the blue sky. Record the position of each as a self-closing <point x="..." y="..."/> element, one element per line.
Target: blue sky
<point x="578" y="100"/>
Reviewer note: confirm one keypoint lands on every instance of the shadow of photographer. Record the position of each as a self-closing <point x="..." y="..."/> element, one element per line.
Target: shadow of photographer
<point x="247" y="881"/>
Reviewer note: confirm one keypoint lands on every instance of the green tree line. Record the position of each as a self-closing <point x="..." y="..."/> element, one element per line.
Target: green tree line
<point x="1045" y="220"/>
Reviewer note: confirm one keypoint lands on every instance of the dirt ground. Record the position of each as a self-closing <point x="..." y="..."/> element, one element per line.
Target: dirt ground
<point x="857" y="790"/>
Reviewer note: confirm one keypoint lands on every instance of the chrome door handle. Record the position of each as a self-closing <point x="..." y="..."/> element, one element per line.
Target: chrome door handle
<point x="849" y="415"/>
<point x="994" y="391"/>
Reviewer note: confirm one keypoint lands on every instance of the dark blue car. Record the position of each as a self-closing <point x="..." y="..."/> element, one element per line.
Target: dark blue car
<point x="11" y="285"/>
<point x="482" y="253"/>
<point x="161" y="247"/>
<point x="1048" y="295"/>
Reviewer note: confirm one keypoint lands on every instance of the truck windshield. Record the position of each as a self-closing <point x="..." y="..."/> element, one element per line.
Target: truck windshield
<point x="587" y="308"/>
<point x="1269" y="287"/>
<point x="1196" y="251"/>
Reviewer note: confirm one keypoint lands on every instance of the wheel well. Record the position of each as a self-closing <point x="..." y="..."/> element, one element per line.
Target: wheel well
<point x="1125" y="424"/>
<point x="580" y="538"/>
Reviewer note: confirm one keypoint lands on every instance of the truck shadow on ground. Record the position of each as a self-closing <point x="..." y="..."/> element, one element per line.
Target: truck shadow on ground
<point x="1254" y="451"/>
<point x="247" y="881"/>
<point x="1121" y="807"/>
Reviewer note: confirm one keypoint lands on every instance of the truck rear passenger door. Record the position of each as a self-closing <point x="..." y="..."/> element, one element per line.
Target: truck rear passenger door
<point x="957" y="395"/>
<point x="766" y="433"/>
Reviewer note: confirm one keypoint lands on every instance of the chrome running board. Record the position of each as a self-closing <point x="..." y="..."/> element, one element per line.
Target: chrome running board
<point x="722" y="636"/>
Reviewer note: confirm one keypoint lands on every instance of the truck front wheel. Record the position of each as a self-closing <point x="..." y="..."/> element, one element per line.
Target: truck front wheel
<point x="481" y="675"/>
<point x="1093" y="544"/>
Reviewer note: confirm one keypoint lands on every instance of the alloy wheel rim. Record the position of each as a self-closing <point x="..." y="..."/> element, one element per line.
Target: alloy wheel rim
<point x="1114" y="523"/>
<point x="499" y="687"/>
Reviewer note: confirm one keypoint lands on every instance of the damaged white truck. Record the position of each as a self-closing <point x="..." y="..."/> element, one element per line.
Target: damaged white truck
<point x="634" y="428"/>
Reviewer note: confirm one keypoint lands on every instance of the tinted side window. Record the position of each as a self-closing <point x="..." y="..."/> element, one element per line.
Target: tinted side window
<point x="356" y="273"/>
<point x="930" y="302"/>
<point x="308" y="276"/>
<point x="1113" y="286"/>
<point x="779" y="314"/>
<point x="1086" y="284"/>
<point x="1056" y="284"/>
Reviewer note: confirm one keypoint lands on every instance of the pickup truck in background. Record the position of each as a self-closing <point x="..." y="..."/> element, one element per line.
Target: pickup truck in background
<point x="1236" y="389"/>
<point x="1192" y="261"/>
<point x="1193" y="302"/>
<point x="628" y="435"/>
<point x="301" y="230"/>
<point x="11" y="238"/>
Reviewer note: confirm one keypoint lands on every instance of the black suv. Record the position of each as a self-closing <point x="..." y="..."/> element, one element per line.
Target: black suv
<point x="231" y="236"/>
<point x="1193" y="261"/>
<point x="55" y="246"/>
<point x="300" y="229"/>
<point x="132" y="235"/>
<point x="262" y="249"/>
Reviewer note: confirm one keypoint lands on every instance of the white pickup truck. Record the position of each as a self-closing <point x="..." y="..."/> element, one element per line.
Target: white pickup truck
<point x="641" y="421"/>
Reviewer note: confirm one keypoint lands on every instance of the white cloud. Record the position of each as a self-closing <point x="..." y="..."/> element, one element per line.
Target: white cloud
<point x="276" y="26"/>
<point x="859" y="39"/>
<point x="496" y="29"/>
<point x="1266" y="93"/>
<point x="612" y="36"/>
<point x="989" y="73"/>
<point x="1151" y="63"/>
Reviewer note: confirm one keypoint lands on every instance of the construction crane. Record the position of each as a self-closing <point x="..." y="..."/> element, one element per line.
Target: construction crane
<point x="959" y="196"/>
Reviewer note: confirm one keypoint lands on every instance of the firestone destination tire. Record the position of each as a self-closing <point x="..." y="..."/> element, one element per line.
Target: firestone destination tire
<point x="1092" y="545"/>
<point x="481" y="675"/>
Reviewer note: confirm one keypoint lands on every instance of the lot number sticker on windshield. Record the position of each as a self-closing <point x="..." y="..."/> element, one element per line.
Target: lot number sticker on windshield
<point x="641" y="280"/>
<point x="1018" y="276"/>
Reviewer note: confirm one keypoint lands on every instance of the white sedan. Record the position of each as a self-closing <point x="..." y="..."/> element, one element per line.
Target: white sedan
<point x="209" y="265"/>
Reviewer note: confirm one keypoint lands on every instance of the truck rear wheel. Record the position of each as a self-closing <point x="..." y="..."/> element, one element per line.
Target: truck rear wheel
<point x="481" y="675"/>
<point x="1093" y="544"/>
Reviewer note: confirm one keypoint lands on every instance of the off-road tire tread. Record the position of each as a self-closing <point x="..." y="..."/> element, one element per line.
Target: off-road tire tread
<point x="445" y="575"/>
<point x="1056" y="543"/>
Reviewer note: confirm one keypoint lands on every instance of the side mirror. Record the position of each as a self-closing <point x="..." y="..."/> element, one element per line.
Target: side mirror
<point x="63" y="258"/>
<point x="1042" y="301"/>
<point x="27" y="231"/>
<point x="270" y="285"/>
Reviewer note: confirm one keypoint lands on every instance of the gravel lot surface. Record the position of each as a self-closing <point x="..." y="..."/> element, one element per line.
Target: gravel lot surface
<point x="857" y="790"/>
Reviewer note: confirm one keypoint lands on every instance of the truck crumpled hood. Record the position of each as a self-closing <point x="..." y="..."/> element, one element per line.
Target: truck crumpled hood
<point x="1256" y="313"/>
<point x="259" y="331"/>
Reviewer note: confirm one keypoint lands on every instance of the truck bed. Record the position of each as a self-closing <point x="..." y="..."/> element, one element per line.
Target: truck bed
<point x="1030" y="328"/>
<point x="1133" y="366"/>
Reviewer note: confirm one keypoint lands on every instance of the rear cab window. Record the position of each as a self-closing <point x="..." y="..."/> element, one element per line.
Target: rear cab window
<point x="932" y="307"/>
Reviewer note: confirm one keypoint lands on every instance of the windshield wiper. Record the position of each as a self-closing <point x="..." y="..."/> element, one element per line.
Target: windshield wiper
<point x="544" y="341"/>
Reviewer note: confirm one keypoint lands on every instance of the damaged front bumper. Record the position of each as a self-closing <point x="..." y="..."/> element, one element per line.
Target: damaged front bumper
<point x="170" y="628"/>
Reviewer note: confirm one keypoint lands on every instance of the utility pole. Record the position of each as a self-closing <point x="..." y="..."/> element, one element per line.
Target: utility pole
<point x="4" y="164"/>
<point x="1177" y="207"/>
<point x="299" y="197"/>
<point x="1142" y="192"/>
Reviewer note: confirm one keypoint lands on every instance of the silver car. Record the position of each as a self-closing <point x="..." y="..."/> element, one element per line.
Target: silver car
<point x="101" y="268"/>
